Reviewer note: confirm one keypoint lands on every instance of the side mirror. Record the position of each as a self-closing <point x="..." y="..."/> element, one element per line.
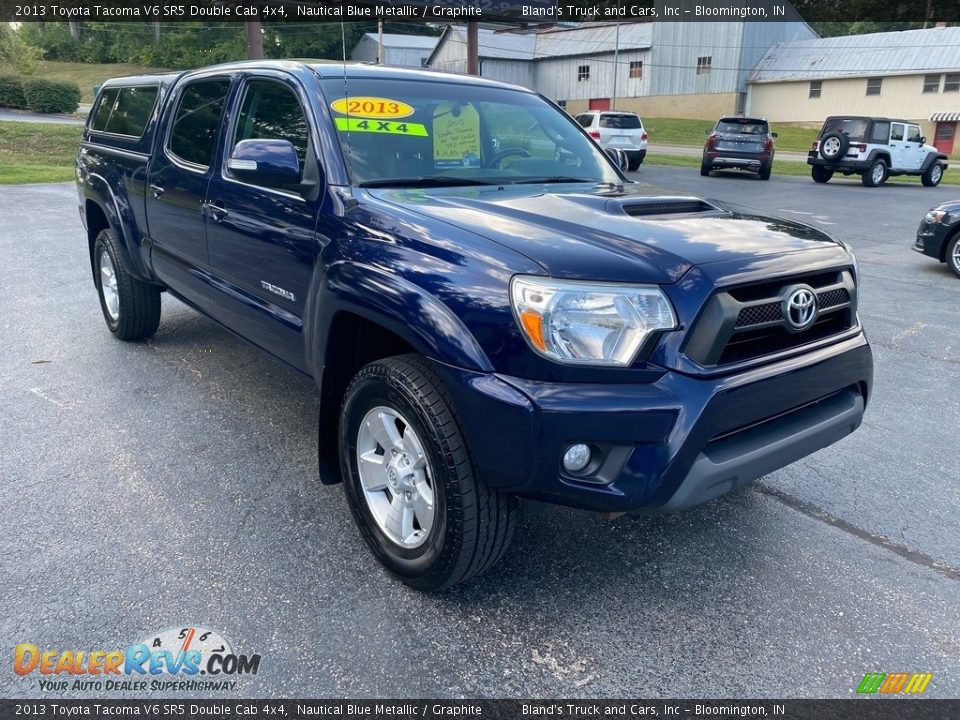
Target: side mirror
<point x="708" y="131"/>
<point x="617" y="157"/>
<point x="269" y="163"/>
<point x="774" y="136"/>
<point x="923" y="141"/>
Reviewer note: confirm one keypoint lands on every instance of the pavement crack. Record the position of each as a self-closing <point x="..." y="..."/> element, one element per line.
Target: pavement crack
<point x="815" y="513"/>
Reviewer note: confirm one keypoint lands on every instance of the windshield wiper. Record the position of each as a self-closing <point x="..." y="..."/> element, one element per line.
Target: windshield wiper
<point x="556" y="179"/>
<point x="425" y="181"/>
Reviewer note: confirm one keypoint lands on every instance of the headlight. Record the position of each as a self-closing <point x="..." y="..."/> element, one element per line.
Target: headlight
<point x="936" y="216"/>
<point x="584" y="322"/>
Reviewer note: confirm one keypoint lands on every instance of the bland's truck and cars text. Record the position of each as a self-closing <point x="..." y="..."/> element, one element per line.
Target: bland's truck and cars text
<point x="491" y="310"/>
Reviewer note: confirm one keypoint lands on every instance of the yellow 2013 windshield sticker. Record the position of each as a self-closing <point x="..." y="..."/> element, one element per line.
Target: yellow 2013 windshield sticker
<point x="372" y="107"/>
<point x="391" y="127"/>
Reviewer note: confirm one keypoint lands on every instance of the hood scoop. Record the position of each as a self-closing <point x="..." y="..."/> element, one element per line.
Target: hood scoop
<point x="671" y="206"/>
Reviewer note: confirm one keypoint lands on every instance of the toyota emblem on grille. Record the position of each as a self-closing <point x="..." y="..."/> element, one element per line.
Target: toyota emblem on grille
<point x="800" y="308"/>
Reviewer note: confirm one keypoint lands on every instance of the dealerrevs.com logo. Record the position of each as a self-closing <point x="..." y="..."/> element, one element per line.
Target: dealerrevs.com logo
<point x="170" y="660"/>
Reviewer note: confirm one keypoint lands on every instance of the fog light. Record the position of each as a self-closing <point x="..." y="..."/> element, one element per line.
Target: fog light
<point x="576" y="458"/>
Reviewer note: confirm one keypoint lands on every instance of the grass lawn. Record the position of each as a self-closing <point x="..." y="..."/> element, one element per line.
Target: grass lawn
<point x="37" y="152"/>
<point x="790" y="167"/>
<point x="85" y="75"/>
<point x="679" y="131"/>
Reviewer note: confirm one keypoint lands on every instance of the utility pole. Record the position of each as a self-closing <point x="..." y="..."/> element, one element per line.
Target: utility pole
<point x="473" y="63"/>
<point x="254" y="40"/>
<point x="380" y="43"/>
<point x="616" y="65"/>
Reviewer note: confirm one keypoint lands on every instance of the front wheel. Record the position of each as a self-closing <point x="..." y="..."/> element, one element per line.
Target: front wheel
<point x="821" y="174"/>
<point x="130" y="306"/>
<point x="932" y="176"/>
<point x="410" y="481"/>
<point x="953" y="254"/>
<point x="876" y="175"/>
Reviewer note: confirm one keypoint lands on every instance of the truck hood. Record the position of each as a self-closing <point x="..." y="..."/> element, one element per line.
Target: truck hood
<point x="625" y="234"/>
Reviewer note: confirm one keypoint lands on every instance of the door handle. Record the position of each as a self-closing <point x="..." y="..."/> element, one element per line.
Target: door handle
<point x="216" y="213"/>
<point x="157" y="191"/>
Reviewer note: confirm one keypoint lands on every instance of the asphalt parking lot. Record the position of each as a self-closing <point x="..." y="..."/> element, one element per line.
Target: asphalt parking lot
<point x="172" y="483"/>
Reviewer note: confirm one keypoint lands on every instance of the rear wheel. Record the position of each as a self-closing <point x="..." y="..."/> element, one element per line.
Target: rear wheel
<point x="633" y="165"/>
<point x="876" y="175"/>
<point x="130" y="306"/>
<point x="705" y="167"/>
<point x="765" y="172"/>
<point x="821" y="174"/>
<point x="953" y="254"/>
<point x="932" y="176"/>
<point x="410" y="481"/>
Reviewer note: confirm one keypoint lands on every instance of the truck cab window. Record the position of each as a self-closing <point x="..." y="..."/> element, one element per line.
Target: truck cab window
<point x="194" y="133"/>
<point x="271" y="111"/>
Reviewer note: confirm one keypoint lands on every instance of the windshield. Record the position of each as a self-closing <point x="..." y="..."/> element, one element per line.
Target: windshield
<point x="409" y="133"/>
<point x="742" y="127"/>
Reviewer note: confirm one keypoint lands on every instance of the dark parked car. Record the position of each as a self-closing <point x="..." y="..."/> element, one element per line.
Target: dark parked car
<point x="875" y="149"/>
<point x="739" y="143"/>
<point x="490" y="309"/>
<point x="939" y="235"/>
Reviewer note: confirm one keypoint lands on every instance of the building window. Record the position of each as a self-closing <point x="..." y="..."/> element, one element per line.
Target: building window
<point x="873" y="86"/>
<point x="583" y="73"/>
<point x="931" y="83"/>
<point x="636" y="68"/>
<point x="815" y="87"/>
<point x="704" y="64"/>
<point x="951" y="83"/>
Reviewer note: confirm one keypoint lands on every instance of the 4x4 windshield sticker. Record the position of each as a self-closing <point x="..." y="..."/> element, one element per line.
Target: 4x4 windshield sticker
<point x="372" y="107"/>
<point x="391" y="127"/>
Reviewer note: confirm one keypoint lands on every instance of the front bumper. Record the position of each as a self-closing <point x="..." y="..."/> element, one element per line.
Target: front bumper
<point x="671" y="444"/>
<point x="931" y="238"/>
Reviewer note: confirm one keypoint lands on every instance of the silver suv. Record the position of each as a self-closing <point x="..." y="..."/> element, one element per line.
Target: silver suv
<point x="874" y="149"/>
<point x="619" y="130"/>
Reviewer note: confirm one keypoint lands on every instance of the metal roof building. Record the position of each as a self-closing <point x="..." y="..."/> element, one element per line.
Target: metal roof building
<point x="655" y="68"/>
<point x="401" y="50"/>
<point x="913" y="74"/>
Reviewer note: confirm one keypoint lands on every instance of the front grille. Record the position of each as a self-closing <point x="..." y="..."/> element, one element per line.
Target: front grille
<point x="748" y="322"/>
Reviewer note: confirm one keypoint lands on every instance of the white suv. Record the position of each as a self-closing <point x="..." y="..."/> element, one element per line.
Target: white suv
<point x="875" y="149"/>
<point x="619" y="130"/>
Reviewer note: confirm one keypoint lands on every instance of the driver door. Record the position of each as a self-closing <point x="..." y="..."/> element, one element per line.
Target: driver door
<point x="261" y="240"/>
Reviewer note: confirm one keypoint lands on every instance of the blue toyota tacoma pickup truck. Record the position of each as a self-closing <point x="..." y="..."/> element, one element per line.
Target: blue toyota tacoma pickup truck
<point x="490" y="310"/>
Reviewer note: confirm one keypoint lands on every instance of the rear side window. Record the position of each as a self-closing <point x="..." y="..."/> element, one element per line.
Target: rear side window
<point x="271" y="111"/>
<point x="125" y="110"/>
<point x="880" y="132"/>
<point x="108" y="99"/>
<point x="194" y="134"/>
<point x="620" y="122"/>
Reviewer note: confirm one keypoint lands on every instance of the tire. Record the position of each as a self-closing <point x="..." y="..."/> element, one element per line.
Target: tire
<point x="130" y="306"/>
<point x="765" y="172"/>
<point x="933" y="175"/>
<point x="821" y="174"/>
<point x="952" y="254"/>
<point x="705" y="168"/>
<point x="876" y="175"/>
<point x="461" y="527"/>
<point x="834" y="146"/>
<point x="634" y="165"/>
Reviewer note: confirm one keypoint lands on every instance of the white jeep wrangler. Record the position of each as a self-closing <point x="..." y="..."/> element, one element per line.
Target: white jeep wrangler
<point x="874" y="149"/>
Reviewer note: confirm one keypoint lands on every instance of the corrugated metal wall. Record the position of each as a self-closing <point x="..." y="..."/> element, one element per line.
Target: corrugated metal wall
<point x="557" y="79"/>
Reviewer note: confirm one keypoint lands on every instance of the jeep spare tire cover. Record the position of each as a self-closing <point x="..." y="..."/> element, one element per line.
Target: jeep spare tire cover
<point x="834" y="146"/>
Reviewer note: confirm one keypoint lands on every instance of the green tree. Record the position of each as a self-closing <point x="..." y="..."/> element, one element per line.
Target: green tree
<point x="18" y="52"/>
